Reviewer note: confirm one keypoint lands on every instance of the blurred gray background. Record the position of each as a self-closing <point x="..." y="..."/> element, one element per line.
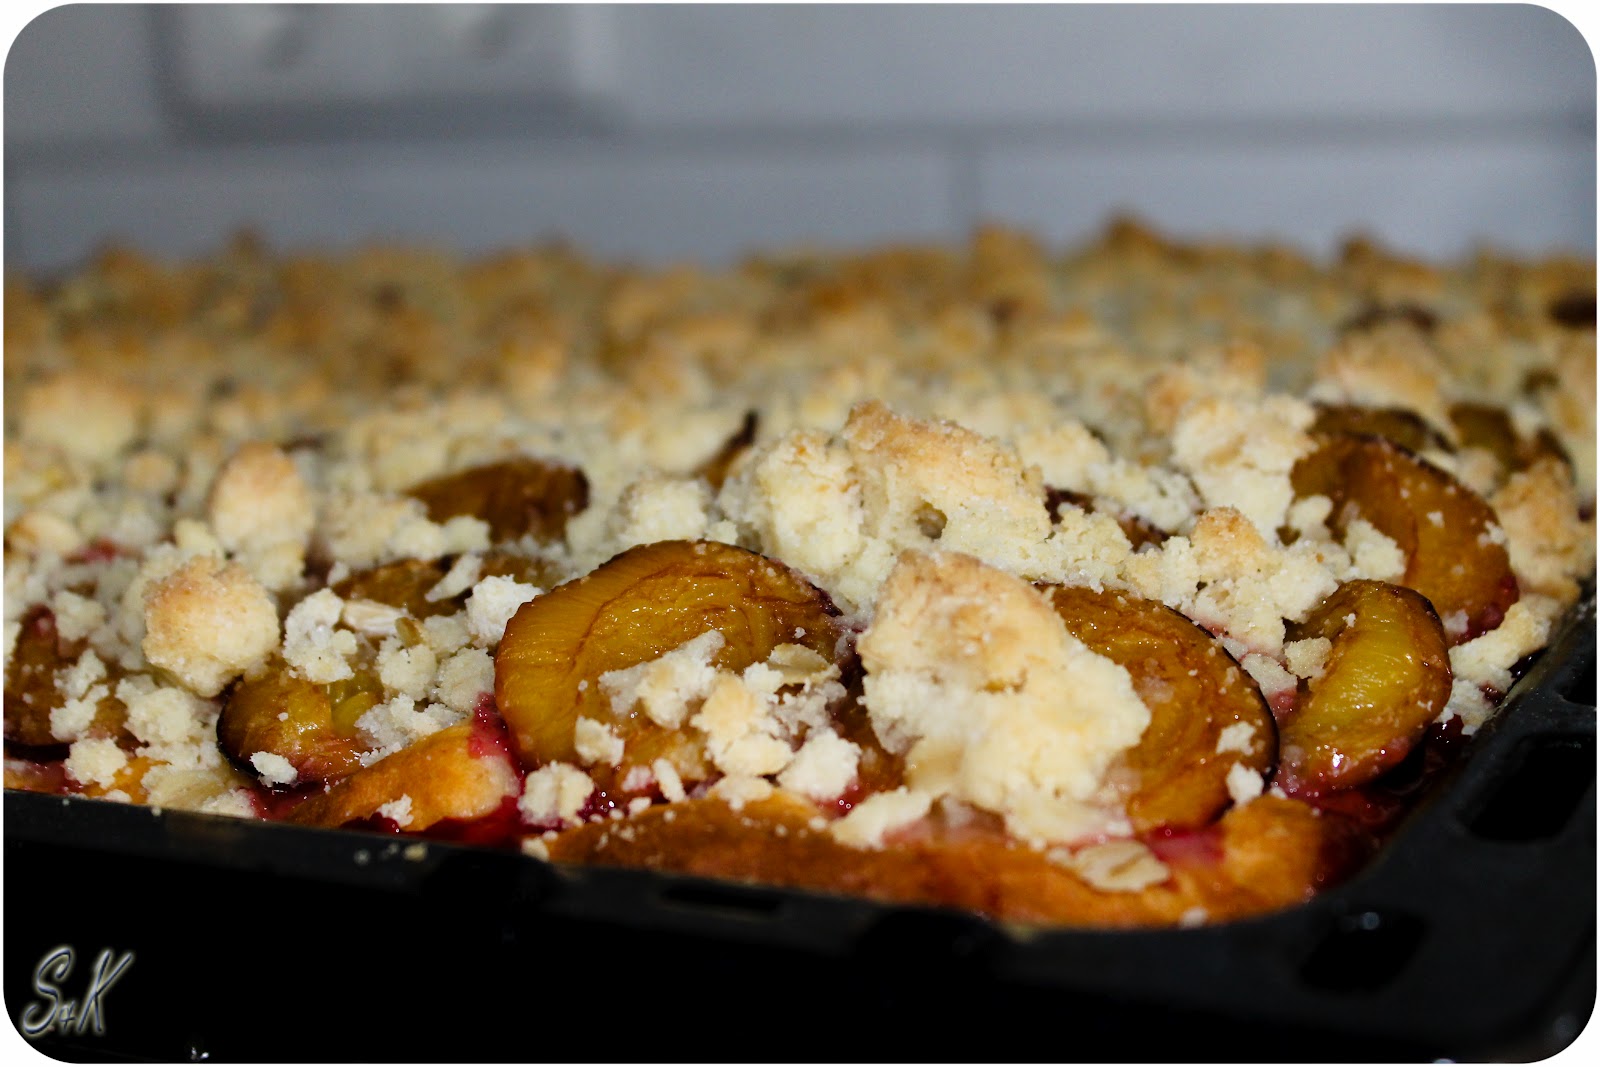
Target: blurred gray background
<point x="662" y="132"/>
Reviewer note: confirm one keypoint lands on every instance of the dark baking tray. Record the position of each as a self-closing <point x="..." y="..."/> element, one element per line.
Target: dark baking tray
<point x="1470" y="937"/>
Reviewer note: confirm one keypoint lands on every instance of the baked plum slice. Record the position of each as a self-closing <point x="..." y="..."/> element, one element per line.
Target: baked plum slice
<point x="310" y="724"/>
<point x="1454" y="554"/>
<point x="458" y="775"/>
<point x="313" y="725"/>
<point x="1401" y="425"/>
<point x="1268" y="854"/>
<point x="641" y="604"/>
<point x="31" y="691"/>
<point x="1489" y="426"/>
<point x="1385" y="678"/>
<point x="516" y="496"/>
<point x="715" y="470"/>
<point x="401" y="584"/>
<point x="405" y="583"/>
<point x="1206" y="713"/>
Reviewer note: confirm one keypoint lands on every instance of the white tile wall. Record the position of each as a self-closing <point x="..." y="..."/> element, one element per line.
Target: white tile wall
<point x="619" y="202"/>
<point x="81" y="72"/>
<point x="1052" y="62"/>
<point x="1433" y="198"/>
<point x="739" y="126"/>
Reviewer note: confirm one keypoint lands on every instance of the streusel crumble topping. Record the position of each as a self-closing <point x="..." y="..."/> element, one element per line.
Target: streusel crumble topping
<point x="870" y="552"/>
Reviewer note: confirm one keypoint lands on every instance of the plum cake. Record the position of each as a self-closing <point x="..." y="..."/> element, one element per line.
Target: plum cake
<point x="1137" y="582"/>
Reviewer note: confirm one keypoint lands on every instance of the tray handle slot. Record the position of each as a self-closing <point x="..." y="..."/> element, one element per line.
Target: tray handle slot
<point x="726" y="901"/>
<point x="1534" y="798"/>
<point x="1363" y="951"/>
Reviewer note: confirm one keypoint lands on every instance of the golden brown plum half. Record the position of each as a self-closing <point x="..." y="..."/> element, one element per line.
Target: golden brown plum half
<point x="461" y="773"/>
<point x="402" y="584"/>
<point x="1386" y="677"/>
<point x="1490" y="427"/>
<point x="31" y="692"/>
<point x="1446" y="531"/>
<point x="311" y="725"/>
<point x="405" y="583"/>
<point x="1194" y="689"/>
<point x="516" y="496"/>
<point x="1401" y="425"/>
<point x="639" y="605"/>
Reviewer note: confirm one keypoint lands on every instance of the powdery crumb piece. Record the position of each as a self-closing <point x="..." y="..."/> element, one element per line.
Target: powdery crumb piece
<point x="1239" y="454"/>
<point x="638" y="779"/>
<point x="1225" y="575"/>
<point x="312" y="645"/>
<point x="739" y="730"/>
<point x="371" y="618"/>
<point x="799" y="665"/>
<point x="667" y="778"/>
<point x="397" y="723"/>
<point x="1487" y="660"/>
<point x="95" y="761"/>
<point x="39" y="532"/>
<point x="1244" y="784"/>
<point x="1307" y="658"/>
<point x="1549" y="546"/>
<point x="397" y="811"/>
<point x="82" y="687"/>
<point x="841" y="509"/>
<point x="1469" y="704"/>
<point x="151" y="472"/>
<point x="463" y="679"/>
<point x="207" y="623"/>
<point x="492" y="603"/>
<point x="1193" y="917"/>
<point x="666" y="688"/>
<point x="463" y="574"/>
<point x="865" y="825"/>
<point x="81" y="412"/>
<point x="407" y="669"/>
<point x="658" y="507"/>
<point x="235" y="803"/>
<point x="823" y="768"/>
<point x="638" y="805"/>
<point x="535" y="847"/>
<point x="1238" y="737"/>
<point x="1373" y="554"/>
<point x="1238" y="370"/>
<point x="172" y="723"/>
<point x="1122" y="866"/>
<point x="800" y="496"/>
<point x="973" y="675"/>
<point x="1268" y="673"/>
<point x="76" y="713"/>
<point x="273" y="768"/>
<point x="259" y="500"/>
<point x="737" y="790"/>
<point x="554" y="794"/>
<point x="446" y="634"/>
<point x="597" y="743"/>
